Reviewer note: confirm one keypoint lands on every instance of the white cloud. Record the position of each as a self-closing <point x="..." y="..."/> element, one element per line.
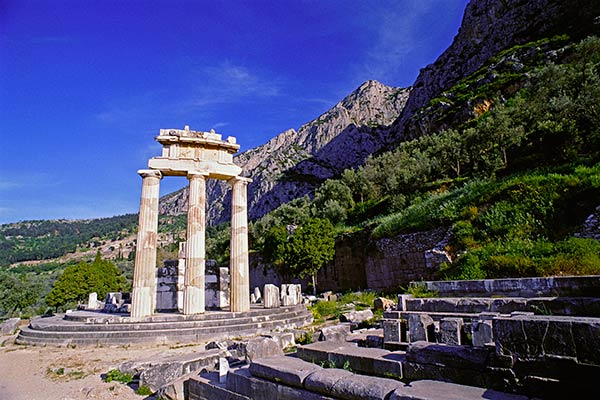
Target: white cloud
<point x="227" y="82"/>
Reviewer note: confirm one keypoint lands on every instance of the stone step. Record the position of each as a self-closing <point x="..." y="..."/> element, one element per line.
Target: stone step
<point x="175" y="332"/>
<point x="366" y="360"/>
<point x="103" y="322"/>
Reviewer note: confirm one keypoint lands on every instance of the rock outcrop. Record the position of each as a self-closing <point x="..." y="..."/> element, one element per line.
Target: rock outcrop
<point x="488" y="27"/>
<point x="294" y="162"/>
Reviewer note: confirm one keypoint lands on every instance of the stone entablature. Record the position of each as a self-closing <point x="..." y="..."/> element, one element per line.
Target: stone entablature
<point x="185" y="150"/>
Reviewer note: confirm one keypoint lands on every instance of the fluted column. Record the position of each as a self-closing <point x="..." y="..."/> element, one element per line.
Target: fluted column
<point x="143" y="296"/>
<point x="239" y="271"/>
<point x="193" y="292"/>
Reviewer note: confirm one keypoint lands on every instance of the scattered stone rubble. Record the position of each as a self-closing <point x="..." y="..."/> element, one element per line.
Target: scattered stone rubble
<point x="484" y="348"/>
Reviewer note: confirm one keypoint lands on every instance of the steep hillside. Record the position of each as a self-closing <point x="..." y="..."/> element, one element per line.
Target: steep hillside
<point x="291" y="164"/>
<point x="488" y="27"/>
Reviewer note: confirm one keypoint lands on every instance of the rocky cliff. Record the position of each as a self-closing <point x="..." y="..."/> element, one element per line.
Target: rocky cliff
<point x="292" y="163"/>
<point x="488" y="27"/>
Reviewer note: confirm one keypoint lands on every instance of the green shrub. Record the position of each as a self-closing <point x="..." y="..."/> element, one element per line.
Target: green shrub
<point x="144" y="391"/>
<point x="118" y="376"/>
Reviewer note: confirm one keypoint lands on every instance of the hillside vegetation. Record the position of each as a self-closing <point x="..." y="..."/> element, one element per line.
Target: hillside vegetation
<point x="513" y="182"/>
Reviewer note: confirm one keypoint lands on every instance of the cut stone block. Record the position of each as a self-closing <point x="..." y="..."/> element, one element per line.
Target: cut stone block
<point x="271" y="296"/>
<point x="262" y="347"/>
<point x="381" y="303"/>
<point x="392" y="330"/>
<point x="335" y="333"/>
<point x="322" y="381"/>
<point x="361" y="387"/>
<point x="481" y="332"/>
<point x="357" y="317"/>
<point x="450" y="330"/>
<point x="10" y="326"/>
<point x="419" y="327"/>
<point x="257" y="294"/>
<point x="402" y="301"/>
<point x="287" y="370"/>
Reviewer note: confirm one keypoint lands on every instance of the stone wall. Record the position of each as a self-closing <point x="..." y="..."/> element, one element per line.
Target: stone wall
<point x="362" y="263"/>
<point x="582" y="286"/>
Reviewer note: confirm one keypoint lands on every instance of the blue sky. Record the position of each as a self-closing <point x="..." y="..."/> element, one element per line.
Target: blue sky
<point x="86" y="85"/>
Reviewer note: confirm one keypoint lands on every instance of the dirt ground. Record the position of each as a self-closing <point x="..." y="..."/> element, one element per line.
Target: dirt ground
<point x="70" y="373"/>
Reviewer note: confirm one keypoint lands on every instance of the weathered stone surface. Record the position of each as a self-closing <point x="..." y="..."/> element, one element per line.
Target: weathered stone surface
<point x="402" y="298"/>
<point x="156" y="372"/>
<point x="319" y="351"/>
<point x="271" y="296"/>
<point x="381" y="303"/>
<point x="419" y="327"/>
<point x="262" y="347"/>
<point x="291" y="294"/>
<point x="435" y="390"/>
<point x="481" y="332"/>
<point x="287" y="370"/>
<point x="207" y="387"/>
<point x="322" y="381"/>
<point x="450" y="329"/>
<point x="567" y="286"/>
<point x="242" y="382"/>
<point x="335" y="333"/>
<point x="392" y="330"/>
<point x="534" y="337"/>
<point x="257" y="295"/>
<point x="462" y="357"/>
<point x="356" y="317"/>
<point x="362" y="387"/>
<point x="9" y="326"/>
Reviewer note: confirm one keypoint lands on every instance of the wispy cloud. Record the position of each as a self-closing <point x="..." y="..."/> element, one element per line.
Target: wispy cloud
<point x="227" y="82"/>
<point x="20" y="181"/>
<point x="398" y="33"/>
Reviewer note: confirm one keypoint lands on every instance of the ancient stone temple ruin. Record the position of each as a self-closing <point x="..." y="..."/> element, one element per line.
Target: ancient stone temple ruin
<point x="198" y="156"/>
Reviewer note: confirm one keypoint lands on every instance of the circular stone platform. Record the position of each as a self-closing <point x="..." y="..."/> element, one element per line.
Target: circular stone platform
<point x="93" y="328"/>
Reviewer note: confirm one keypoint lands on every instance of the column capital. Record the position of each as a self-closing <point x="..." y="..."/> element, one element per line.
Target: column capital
<point x="150" y="173"/>
<point x="197" y="174"/>
<point x="239" y="179"/>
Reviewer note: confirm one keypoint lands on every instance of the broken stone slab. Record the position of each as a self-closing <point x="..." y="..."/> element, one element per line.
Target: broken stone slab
<point x="420" y="327"/>
<point x="335" y="333"/>
<point x="271" y="296"/>
<point x="381" y="303"/>
<point x="288" y="370"/>
<point x="262" y="347"/>
<point x="9" y="326"/>
<point x="361" y="387"/>
<point x="157" y="372"/>
<point x="450" y="329"/>
<point x="435" y="390"/>
<point x="356" y="317"/>
<point x="370" y="361"/>
<point x="322" y="381"/>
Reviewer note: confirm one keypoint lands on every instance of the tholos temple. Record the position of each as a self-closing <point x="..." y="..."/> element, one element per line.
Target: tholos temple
<point x="198" y="156"/>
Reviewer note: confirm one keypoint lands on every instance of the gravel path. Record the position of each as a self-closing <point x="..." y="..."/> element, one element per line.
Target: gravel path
<point x="70" y="373"/>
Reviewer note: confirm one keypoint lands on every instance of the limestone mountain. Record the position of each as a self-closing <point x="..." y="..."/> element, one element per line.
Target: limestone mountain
<point x="294" y="162"/>
<point x="489" y="27"/>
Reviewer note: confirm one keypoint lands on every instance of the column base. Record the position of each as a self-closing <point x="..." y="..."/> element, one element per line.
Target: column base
<point x="141" y="302"/>
<point x="193" y="300"/>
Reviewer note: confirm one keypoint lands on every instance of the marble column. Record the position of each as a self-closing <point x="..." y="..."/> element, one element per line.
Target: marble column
<point x="239" y="271"/>
<point x="193" y="292"/>
<point x="143" y="296"/>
